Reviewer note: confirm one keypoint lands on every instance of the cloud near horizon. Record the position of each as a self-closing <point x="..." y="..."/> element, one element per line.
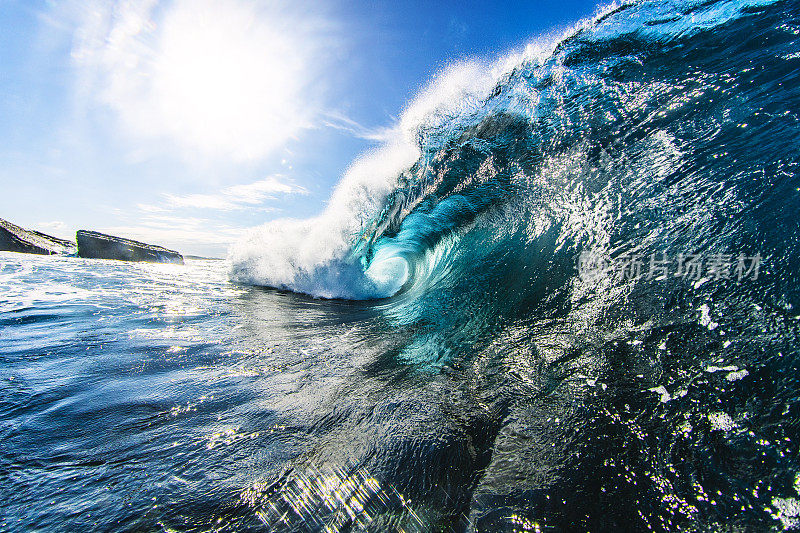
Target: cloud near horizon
<point x="176" y="222"/>
<point x="236" y="196"/>
<point x="52" y="225"/>
<point x="192" y="235"/>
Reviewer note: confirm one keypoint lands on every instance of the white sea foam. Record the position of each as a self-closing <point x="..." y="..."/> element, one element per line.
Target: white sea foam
<point x="787" y="510"/>
<point x="721" y="421"/>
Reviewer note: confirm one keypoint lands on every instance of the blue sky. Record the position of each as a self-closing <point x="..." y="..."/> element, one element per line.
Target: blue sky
<point x="185" y="122"/>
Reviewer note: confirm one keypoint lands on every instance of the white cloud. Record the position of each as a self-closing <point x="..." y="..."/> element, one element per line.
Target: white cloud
<point x="176" y="224"/>
<point x="55" y="224"/>
<point x="148" y="208"/>
<point x="234" y="197"/>
<point x="341" y="122"/>
<point x="229" y="78"/>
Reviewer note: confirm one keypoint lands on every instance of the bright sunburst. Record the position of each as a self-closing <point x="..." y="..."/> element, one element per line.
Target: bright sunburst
<point x="223" y="77"/>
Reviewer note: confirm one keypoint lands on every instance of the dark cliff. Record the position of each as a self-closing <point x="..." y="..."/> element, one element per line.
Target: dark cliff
<point x="96" y="245"/>
<point x="16" y="239"/>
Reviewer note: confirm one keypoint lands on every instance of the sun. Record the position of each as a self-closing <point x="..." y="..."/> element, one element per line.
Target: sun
<point x="225" y="76"/>
<point x="218" y="77"/>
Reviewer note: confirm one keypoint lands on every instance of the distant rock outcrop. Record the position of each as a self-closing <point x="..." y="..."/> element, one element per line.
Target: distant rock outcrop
<point x="16" y="239"/>
<point x="100" y="246"/>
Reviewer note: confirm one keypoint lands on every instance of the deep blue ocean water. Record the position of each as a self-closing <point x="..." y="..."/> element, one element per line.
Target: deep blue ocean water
<point x="139" y="396"/>
<point x="468" y="371"/>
